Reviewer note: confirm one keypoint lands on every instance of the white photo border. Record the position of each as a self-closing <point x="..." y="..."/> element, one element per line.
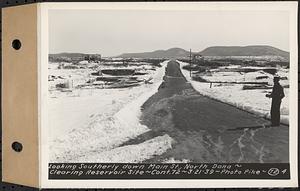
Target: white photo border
<point x="44" y="8"/>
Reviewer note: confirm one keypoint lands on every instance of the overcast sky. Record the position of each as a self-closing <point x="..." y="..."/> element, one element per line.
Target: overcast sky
<point x="112" y="32"/>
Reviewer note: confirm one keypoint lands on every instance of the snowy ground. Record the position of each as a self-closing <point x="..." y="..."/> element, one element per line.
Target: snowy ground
<point x="253" y="101"/>
<point x="75" y="77"/>
<point x="89" y="125"/>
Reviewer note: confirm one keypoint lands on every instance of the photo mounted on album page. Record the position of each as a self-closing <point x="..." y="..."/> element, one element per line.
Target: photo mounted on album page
<point x="165" y="94"/>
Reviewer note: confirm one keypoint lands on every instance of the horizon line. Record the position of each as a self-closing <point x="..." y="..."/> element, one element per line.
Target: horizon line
<point x="69" y="52"/>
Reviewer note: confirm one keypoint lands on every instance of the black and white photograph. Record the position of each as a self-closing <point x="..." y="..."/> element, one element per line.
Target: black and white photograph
<point x="169" y="86"/>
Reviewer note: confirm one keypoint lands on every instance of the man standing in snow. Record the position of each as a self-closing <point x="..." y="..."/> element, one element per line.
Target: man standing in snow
<point x="276" y="95"/>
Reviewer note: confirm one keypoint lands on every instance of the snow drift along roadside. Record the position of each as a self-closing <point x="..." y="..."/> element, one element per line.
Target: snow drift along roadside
<point x="132" y="153"/>
<point x="106" y="132"/>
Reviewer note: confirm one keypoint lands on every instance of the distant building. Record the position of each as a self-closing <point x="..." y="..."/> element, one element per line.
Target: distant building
<point x="93" y="57"/>
<point x="198" y="57"/>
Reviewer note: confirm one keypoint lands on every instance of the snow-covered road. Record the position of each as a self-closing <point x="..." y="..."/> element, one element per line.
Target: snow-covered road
<point x="167" y="121"/>
<point x="207" y="130"/>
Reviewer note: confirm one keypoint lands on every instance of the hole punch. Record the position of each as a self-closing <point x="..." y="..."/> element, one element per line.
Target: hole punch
<point x="16" y="146"/>
<point x="16" y="44"/>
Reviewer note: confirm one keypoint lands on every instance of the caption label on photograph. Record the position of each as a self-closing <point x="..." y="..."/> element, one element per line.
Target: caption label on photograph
<point x="170" y="170"/>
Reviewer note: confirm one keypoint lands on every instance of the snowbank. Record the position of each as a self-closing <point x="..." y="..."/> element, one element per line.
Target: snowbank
<point x="172" y="160"/>
<point x="132" y="153"/>
<point x="253" y="101"/>
<point x="217" y="75"/>
<point x="99" y="120"/>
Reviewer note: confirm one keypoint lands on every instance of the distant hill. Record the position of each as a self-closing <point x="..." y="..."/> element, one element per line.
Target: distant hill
<point x="212" y="51"/>
<point x="74" y="57"/>
<point x="170" y="53"/>
<point x="244" y="51"/>
<point x="67" y="55"/>
<point x="175" y="53"/>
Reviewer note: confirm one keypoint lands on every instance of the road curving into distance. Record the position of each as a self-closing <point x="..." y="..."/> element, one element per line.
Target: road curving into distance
<point x="206" y="130"/>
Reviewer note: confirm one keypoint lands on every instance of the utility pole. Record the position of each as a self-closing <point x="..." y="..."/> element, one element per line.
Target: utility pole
<point x="190" y="62"/>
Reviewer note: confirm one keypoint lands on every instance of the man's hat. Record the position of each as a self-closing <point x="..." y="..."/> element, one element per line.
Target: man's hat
<point x="276" y="77"/>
